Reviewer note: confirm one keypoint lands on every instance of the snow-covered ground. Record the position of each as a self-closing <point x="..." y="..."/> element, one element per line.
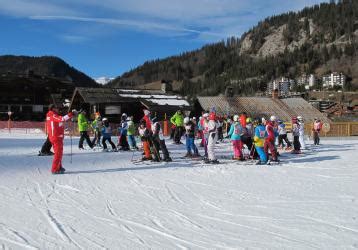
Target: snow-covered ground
<point x="106" y="201"/>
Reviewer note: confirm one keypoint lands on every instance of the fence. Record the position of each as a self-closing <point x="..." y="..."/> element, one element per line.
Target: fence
<point x="28" y="127"/>
<point x="337" y="129"/>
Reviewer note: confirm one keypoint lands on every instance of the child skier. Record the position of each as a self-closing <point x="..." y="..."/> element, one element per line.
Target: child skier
<point x="131" y="134"/>
<point x="204" y="124"/>
<point x="159" y="142"/>
<point x="296" y="136"/>
<point x="235" y="135"/>
<point x="259" y="140"/>
<point x="97" y="128"/>
<point x="107" y="133"/>
<point x="270" y="139"/>
<point x="123" y="143"/>
<point x="302" y="132"/>
<point x="282" y="136"/>
<point x="145" y="137"/>
<point x="317" y="126"/>
<point x="190" y="137"/>
<point x="213" y="136"/>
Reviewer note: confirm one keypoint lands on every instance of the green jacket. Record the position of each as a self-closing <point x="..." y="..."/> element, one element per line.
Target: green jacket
<point x="177" y="119"/>
<point x="131" y="128"/>
<point x="82" y="123"/>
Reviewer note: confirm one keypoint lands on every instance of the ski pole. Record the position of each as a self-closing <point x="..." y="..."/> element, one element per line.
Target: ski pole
<point x="71" y="141"/>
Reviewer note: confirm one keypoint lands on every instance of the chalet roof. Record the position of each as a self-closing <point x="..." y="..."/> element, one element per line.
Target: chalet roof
<point x="262" y="106"/>
<point x="152" y="100"/>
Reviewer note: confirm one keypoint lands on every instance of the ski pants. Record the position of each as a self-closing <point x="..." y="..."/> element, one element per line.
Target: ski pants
<point x="131" y="141"/>
<point x="302" y="141"/>
<point x="296" y="143"/>
<point x="262" y="154"/>
<point x="190" y="145"/>
<point x="211" y="145"/>
<point x="84" y="136"/>
<point x="57" y="145"/>
<point x="110" y="142"/>
<point x="205" y="141"/>
<point x="160" y="145"/>
<point x="237" y="146"/>
<point x="46" y="147"/>
<point x="97" y="138"/>
<point x="281" y="139"/>
<point x="270" y="145"/>
<point x="177" y="134"/>
<point x="146" y="149"/>
<point x="123" y="142"/>
<point x="316" y="137"/>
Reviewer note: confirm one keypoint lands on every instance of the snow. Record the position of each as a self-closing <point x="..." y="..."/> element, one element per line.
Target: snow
<point x="106" y="201"/>
<point x="172" y="102"/>
<point x="103" y="80"/>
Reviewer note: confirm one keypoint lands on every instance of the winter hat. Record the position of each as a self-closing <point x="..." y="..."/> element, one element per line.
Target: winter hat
<point x="186" y="120"/>
<point x="124" y="114"/>
<point x="236" y="118"/>
<point x="146" y="111"/>
<point x="212" y="116"/>
<point x="104" y="119"/>
<point x="273" y="118"/>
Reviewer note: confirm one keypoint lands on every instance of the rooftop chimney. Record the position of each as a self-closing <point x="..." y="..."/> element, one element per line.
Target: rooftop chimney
<point x="275" y="94"/>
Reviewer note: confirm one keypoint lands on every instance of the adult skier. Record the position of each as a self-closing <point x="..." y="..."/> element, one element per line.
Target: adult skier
<point x="83" y="127"/>
<point x="178" y="120"/>
<point x="55" y="128"/>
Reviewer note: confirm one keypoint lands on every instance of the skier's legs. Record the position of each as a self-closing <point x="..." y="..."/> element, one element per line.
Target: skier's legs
<point x="104" y="143"/>
<point x="287" y="141"/>
<point x="280" y="141"/>
<point x="156" y="147"/>
<point x="302" y="141"/>
<point x="57" y="158"/>
<point x="146" y="148"/>
<point x="187" y="144"/>
<point x="296" y="143"/>
<point x="164" y="149"/>
<point x="262" y="154"/>
<point x="82" y="138"/>
<point x="112" y="144"/>
<point x="211" y="145"/>
<point x="46" y="147"/>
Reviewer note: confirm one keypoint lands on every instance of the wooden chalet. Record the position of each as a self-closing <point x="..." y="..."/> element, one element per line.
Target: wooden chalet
<point x="111" y="102"/>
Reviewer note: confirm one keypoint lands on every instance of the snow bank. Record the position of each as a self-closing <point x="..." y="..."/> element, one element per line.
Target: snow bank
<point x="105" y="201"/>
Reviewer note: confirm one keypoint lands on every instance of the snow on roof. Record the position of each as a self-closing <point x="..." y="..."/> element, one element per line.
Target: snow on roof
<point x="171" y="102"/>
<point x="128" y="90"/>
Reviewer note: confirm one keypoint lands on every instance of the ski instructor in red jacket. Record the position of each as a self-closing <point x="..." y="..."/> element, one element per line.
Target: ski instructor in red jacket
<point x="55" y="130"/>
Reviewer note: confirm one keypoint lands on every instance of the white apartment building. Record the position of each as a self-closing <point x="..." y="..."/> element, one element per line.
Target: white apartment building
<point x="333" y="79"/>
<point x="283" y="86"/>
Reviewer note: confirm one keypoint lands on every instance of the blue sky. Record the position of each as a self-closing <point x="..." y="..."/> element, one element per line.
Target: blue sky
<point x="110" y="37"/>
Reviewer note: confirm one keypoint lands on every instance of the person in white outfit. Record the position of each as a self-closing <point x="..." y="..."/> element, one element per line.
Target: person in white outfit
<point x="301" y="132"/>
<point x="213" y="137"/>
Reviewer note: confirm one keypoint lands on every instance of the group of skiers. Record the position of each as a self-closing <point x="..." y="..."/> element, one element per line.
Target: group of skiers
<point x="257" y="135"/>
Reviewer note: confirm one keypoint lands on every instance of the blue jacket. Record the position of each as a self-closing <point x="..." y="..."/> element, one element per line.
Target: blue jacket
<point x="260" y="135"/>
<point x="235" y="131"/>
<point x="106" y="132"/>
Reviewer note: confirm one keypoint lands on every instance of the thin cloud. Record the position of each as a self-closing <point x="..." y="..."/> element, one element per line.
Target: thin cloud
<point x="141" y="25"/>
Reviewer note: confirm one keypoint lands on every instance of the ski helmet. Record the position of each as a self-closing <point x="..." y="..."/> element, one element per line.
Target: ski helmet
<point x="104" y="119"/>
<point x="212" y="116"/>
<point x="248" y="120"/>
<point x="273" y="118"/>
<point x="186" y="120"/>
<point x="236" y="118"/>
<point x="299" y="118"/>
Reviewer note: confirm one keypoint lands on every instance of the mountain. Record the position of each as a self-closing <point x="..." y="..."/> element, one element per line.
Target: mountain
<point x="316" y="40"/>
<point x="103" y="80"/>
<point x="44" y="66"/>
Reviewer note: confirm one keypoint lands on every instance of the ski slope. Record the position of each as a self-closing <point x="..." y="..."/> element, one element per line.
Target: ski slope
<point x="106" y="201"/>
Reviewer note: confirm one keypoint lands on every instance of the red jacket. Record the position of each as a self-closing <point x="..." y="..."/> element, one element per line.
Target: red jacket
<point x="270" y="132"/>
<point x="243" y="120"/>
<point x="148" y="123"/>
<point x="54" y="125"/>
